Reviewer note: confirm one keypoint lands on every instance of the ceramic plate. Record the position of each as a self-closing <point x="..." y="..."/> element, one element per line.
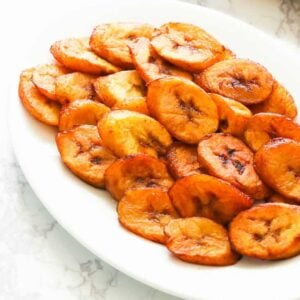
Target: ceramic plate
<point x="89" y="214"/>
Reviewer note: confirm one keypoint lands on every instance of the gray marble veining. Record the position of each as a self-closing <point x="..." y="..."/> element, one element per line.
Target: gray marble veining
<point x="38" y="258"/>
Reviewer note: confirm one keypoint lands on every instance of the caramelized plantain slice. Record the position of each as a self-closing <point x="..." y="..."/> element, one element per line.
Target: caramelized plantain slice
<point x="81" y="112"/>
<point x="239" y="79"/>
<point x="267" y="231"/>
<point x="200" y="241"/>
<point x="206" y="196"/>
<point x="111" y="40"/>
<point x="228" y="158"/>
<point x="122" y="90"/>
<point x="74" y="86"/>
<point x="44" y="79"/>
<point x="82" y="152"/>
<point x="263" y="127"/>
<point x="136" y="171"/>
<point x="278" y="163"/>
<point x="182" y="160"/>
<point x="126" y="132"/>
<point x="77" y="55"/>
<point x="40" y="107"/>
<point x="149" y="65"/>
<point x="233" y="115"/>
<point x="183" y="108"/>
<point x="280" y="101"/>
<point x="187" y="46"/>
<point x="145" y="212"/>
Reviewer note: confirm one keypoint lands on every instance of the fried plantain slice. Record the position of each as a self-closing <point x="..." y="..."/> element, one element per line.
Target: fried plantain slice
<point x="136" y="171"/>
<point x="207" y="196"/>
<point x="81" y="112"/>
<point x="267" y="231"/>
<point x="280" y="101"/>
<point x="228" y="158"/>
<point x="182" y="160"/>
<point x="187" y="46"/>
<point x="145" y="212"/>
<point x="40" y="107"/>
<point x="149" y="65"/>
<point x="263" y="127"/>
<point x="111" y="40"/>
<point x="74" y="86"/>
<point x="75" y="54"/>
<point x="122" y="90"/>
<point x="82" y="152"/>
<point x="200" y="241"/>
<point x="239" y="79"/>
<point x="233" y="115"/>
<point x="44" y="78"/>
<point x="278" y="163"/>
<point x="183" y="108"/>
<point x="126" y="132"/>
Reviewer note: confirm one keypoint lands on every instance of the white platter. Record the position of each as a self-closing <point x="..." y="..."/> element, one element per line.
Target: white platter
<point x="89" y="214"/>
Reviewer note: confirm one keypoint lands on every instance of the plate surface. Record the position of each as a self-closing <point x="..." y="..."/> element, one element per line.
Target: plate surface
<point x="89" y="214"/>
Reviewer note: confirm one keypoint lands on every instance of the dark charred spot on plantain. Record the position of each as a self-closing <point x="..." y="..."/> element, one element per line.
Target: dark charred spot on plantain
<point x="239" y="166"/>
<point x="188" y="107"/>
<point x="146" y="182"/>
<point x="224" y="158"/>
<point x="224" y="124"/>
<point x="96" y="160"/>
<point x="258" y="237"/>
<point x="230" y="151"/>
<point x="243" y="83"/>
<point x="152" y="59"/>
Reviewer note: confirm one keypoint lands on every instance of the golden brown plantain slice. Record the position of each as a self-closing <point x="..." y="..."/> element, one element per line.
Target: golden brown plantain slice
<point x="263" y="127"/>
<point x="145" y="212"/>
<point x="81" y="112"/>
<point x="267" y="231"/>
<point x="228" y="158"/>
<point x="44" y="78"/>
<point x="183" y="108"/>
<point x="182" y="160"/>
<point x="82" y="152"/>
<point x="233" y="115"/>
<point x="206" y="196"/>
<point x="126" y="132"/>
<point x="149" y="65"/>
<point x="77" y="55"/>
<point x="200" y="241"/>
<point x="187" y="46"/>
<point x="278" y="163"/>
<point x="136" y="171"/>
<point x="239" y="79"/>
<point x="110" y="41"/>
<point x="280" y="101"/>
<point x="74" y="86"/>
<point x="122" y="90"/>
<point x="40" y="107"/>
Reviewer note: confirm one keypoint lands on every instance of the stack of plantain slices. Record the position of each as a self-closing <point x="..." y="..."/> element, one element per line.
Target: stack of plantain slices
<point x="198" y="147"/>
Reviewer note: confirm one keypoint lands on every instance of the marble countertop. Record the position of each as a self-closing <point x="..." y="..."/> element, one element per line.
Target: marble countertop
<point x="38" y="258"/>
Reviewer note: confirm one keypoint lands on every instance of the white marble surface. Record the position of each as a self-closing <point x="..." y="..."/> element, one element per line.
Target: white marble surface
<point x="39" y="259"/>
